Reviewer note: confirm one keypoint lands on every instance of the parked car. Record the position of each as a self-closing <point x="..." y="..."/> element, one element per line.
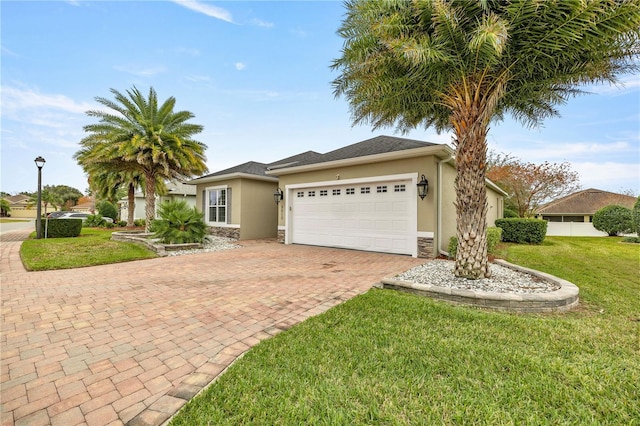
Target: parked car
<point x="79" y="215"/>
<point x="55" y="215"/>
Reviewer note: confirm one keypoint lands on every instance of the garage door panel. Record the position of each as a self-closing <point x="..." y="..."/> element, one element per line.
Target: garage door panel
<point x="373" y="217"/>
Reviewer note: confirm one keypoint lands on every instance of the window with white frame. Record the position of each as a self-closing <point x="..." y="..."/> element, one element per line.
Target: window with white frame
<point x="216" y="207"/>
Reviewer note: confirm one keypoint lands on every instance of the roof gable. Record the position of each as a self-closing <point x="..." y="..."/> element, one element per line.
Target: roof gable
<point x="587" y="201"/>
<point x="15" y="199"/>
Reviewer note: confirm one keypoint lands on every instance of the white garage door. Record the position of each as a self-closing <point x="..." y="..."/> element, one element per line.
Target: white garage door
<point x="372" y="216"/>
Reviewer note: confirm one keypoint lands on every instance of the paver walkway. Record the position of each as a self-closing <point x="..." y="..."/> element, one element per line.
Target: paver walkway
<point x="131" y="343"/>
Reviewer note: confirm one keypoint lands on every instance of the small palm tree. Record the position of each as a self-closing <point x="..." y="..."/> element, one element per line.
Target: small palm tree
<point x="179" y="223"/>
<point x="142" y="135"/>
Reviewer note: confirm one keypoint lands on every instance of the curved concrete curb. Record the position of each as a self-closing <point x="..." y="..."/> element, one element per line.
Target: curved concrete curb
<point x="562" y="300"/>
<point x="144" y="239"/>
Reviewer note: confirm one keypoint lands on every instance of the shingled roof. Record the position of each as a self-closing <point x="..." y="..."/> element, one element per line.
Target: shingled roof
<point x="376" y="145"/>
<point x="585" y="202"/>
<point x="373" y="146"/>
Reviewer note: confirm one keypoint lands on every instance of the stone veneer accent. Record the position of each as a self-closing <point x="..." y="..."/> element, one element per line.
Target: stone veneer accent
<point x="425" y="247"/>
<point x="281" y="233"/>
<point x="220" y="231"/>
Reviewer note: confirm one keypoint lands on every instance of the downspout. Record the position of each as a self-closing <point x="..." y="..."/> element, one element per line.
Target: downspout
<point x="439" y="206"/>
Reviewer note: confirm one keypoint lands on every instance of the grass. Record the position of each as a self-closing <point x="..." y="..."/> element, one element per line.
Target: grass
<point x="397" y="359"/>
<point x="4" y="220"/>
<point x="92" y="247"/>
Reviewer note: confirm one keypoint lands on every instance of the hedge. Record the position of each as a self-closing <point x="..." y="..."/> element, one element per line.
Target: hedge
<point x="61" y="228"/>
<point x="523" y="231"/>
<point x="493" y="238"/>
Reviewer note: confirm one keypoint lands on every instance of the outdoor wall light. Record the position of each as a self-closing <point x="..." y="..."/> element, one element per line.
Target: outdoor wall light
<point x="423" y="187"/>
<point x="278" y="196"/>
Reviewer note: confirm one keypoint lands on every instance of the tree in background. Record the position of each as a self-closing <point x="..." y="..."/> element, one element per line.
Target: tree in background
<point x="147" y="137"/>
<point x="461" y="65"/>
<point x="61" y="197"/>
<point x="5" y="207"/>
<point x="107" y="209"/>
<point x="636" y="217"/>
<point x="613" y="220"/>
<point x="530" y="185"/>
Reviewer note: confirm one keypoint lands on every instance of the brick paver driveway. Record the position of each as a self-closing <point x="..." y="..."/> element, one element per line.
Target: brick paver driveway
<point x="130" y="343"/>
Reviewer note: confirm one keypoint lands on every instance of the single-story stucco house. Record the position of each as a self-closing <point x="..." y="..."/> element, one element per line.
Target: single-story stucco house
<point x="176" y="190"/>
<point x="572" y="215"/>
<point x="363" y="196"/>
<point x="22" y="206"/>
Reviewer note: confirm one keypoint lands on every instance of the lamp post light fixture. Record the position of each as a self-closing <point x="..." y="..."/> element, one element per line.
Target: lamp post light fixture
<point x="39" y="162"/>
<point x="423" y="187"/>
<point x="278" y="196"/>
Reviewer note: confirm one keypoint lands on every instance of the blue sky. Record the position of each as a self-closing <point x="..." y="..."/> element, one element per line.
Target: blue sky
<point x="255" y="74"/>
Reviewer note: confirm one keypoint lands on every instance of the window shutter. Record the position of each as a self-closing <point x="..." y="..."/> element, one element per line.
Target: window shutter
<point x="228" y="205"/>
<point x="204" y="206"/>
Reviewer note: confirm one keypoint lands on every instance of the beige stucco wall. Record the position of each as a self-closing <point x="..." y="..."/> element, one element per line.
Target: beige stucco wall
<point x="259" y="211"/>
<point x="23" y="212"/>
<point x="448" y="207"/>
<point x="252" y="206"/>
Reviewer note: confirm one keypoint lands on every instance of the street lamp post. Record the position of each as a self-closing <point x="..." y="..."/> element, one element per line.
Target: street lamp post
<point x="39" y="162"/>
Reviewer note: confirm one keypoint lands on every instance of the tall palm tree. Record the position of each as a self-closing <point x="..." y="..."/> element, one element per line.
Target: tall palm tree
<point x="145" y="136"/>
<point x="461" y="65"/>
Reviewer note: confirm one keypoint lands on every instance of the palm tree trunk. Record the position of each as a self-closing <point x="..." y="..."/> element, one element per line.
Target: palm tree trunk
<point x="131" y="196"/>
<point x="150" y="200"/>
<point x="471" y="195"/>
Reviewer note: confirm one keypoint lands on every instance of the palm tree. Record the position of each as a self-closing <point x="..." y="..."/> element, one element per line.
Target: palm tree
<point x="5" y="207"/>
<point x="461" y="65"/>
<point x="143" y="136"/>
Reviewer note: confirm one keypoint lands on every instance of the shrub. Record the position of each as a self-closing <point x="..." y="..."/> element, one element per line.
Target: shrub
<point x="523" y="231"/>
<point x="613" y="220"/>
<point x="107" y="209"/>
<point x="493" y="238"/>
<point x="122" y="223"/>
<point x="94" y="221"/>
<point x="139" y="222"/>
<point x="636" y="217"/>
<point x="635" y="240"/>
<point x="510" y="213"/>
<point x="61" y="228"/>
<point x="179" y="223"/>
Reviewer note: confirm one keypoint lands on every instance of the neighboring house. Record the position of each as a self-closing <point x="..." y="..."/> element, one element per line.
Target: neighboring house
<point x="175" y="191"/>
<point x="85" y="205"/>
<point x="572" y="215"/>
<point x="22" y="206"/>
<point x="363" y="196"/>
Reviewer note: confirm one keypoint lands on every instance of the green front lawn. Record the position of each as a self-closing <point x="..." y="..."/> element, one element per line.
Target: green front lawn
<point x="93" y="247"/>
<point x="391" y="358"/>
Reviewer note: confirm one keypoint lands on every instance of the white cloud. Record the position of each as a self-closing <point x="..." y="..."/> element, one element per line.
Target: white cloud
<point x="261" y="23"/>
<point x="141" y="71"/>
<point x="7" y="51"/>
<point x="299" y="32"/>
<point x="627" y="84"/>
<point x="610" y="176"/>
<point x="206" y="9"/>
<point x="14" y="99"/>
<point x="240" y="66"/>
